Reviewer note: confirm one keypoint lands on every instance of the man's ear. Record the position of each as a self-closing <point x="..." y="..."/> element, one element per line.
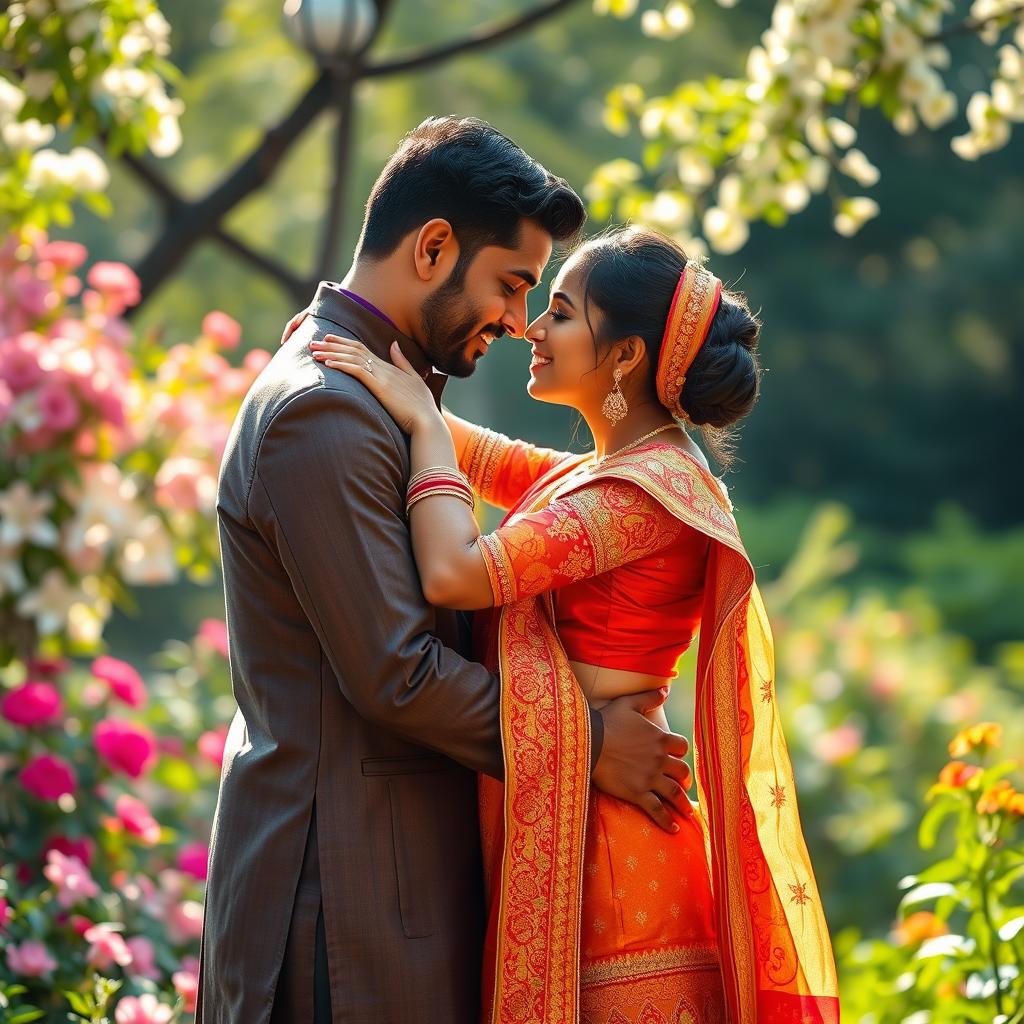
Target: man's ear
<point x="435" y="250"/>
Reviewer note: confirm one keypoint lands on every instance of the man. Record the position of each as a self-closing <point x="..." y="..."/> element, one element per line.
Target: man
<point x="345" y="867"/>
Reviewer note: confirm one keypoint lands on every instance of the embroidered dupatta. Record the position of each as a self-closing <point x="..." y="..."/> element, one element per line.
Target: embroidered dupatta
<point x="775" y="950"/>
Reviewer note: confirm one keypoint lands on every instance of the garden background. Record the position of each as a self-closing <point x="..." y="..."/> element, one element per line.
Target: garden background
<point x="857" y="174"/>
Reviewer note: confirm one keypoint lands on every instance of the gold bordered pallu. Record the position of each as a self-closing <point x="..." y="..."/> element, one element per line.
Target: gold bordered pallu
<point x="770" y="937"/>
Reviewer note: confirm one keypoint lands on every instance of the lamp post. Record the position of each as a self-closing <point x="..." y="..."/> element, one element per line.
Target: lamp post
<point x="335" y="33"/>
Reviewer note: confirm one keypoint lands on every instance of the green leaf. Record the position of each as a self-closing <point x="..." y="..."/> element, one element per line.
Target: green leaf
<point x="932" y="821"/>
<point x="926" y="893"/>
<point x="23" y="1014"/>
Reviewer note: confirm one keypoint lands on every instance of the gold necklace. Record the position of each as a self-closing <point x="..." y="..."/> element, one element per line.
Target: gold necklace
<point x="632" y="444"/>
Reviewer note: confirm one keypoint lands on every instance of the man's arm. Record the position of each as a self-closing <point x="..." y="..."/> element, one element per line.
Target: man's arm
<point x="328" y="494"/>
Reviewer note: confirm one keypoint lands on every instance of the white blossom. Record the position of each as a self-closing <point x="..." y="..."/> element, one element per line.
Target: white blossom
<point x="30" y="134"/>
<point x="49" y="603"/>
<point x="726" y="230"/>
<point x="860" y="168"/>
<point x="23" y="516"/>
<point x="86" y="170"/>
<point x="12" y="99"/>
<point x="148" y="558"/>
<point x="854" y="213"/>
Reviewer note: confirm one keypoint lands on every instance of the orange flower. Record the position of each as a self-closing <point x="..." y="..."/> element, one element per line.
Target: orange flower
<point x="976" y="737"/>
<point x="923" y="924"/>
<point x="957" y="774"/>
<point x="999" y="798"/>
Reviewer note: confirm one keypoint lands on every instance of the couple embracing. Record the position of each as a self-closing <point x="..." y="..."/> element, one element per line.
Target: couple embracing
<point x="427" y="816"/>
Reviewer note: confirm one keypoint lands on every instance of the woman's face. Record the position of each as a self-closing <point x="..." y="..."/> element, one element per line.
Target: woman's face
<point x="564" y="357"/>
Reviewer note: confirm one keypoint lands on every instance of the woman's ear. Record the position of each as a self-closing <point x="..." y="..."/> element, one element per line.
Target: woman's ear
<point x="630" y="354"/>
<point x="435" y="250"/>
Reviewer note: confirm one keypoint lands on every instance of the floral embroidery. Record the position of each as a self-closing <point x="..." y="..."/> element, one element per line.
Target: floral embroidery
<point x="766" y="691"/>
<point x="799" y="891"/>
<point x="778" y="795"/>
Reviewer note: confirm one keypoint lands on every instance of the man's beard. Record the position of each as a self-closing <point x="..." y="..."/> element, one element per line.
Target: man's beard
<point x="450" y="322"/>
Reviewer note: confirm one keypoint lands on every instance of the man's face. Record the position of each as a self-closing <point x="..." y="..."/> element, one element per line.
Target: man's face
<point x="483" y="301"/>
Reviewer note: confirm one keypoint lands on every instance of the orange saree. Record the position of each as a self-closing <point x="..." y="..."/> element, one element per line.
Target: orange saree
<point x="738" y="873"/>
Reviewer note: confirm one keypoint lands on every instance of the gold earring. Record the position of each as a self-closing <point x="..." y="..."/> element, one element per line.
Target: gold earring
<point x="615" y="407"/>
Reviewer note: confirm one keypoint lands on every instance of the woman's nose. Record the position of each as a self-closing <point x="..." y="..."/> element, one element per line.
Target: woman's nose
<point x="534" y="332"/>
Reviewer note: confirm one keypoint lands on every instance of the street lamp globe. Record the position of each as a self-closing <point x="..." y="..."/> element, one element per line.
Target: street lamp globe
<point x="333" y="31"/>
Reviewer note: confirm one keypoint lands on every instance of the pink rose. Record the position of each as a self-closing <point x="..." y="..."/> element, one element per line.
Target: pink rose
<point x="30" y="959"/>
<point x="143" y="958"/>
<point x="145" y="1009"/>
<point x="255" y="360"/>
<point x="194" y="859"/>
<point x="57" y="406"/>
<point x="185" y="921"/>
<point x="42" y="665"/>
<point x="32" y="703"/>
<point x="183" y="483"/>
<point x="117" y="283"/>
<point x="48" y="777"/>
<point x="186" y="983"/>
<point x="214" y="634"/>
<point x="80" y="848"/>
<point x="19" y="362"/>
<point x="222" y="329"/>
<point x="211" y="745"/>
<point x="125" y="683"/>
<point x="65" y="255"/>
<point x="106" y="947"/>
<point x="838" y="744"/>
<point x="125" y="747"/>
<point x="5" y="913"/>
<point x="135" y="816"/>
<point x="71" y="879"/>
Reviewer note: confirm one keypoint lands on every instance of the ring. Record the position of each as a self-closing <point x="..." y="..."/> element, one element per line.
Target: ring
<point x="369" y="365"/>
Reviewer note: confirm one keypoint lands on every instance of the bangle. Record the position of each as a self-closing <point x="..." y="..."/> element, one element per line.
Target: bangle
<point x="438" y="472"/>
<point x="451" y="492"/>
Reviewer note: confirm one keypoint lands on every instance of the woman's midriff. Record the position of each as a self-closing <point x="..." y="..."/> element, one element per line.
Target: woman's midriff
<point x="648" y="944"/>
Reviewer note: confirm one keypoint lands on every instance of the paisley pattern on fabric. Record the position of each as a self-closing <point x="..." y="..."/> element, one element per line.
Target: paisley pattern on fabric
<point x="590" y="531"/>
<point x="776" y="962"/>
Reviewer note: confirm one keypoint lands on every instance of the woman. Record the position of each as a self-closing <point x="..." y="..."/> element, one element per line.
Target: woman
<point x="599" y="577"/>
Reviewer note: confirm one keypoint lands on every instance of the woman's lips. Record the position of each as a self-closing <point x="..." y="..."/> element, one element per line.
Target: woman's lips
<point x="538" y="361"/>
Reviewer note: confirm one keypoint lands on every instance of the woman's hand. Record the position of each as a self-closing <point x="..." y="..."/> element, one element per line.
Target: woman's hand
<point x="294" y="324"/>
<point x="399" y="388"/>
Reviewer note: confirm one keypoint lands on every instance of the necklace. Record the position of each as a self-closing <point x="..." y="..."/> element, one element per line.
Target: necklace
<point x="594" y="467"/>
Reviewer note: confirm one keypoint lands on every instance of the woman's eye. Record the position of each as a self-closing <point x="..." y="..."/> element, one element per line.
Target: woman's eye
<point x="557" y="314"/>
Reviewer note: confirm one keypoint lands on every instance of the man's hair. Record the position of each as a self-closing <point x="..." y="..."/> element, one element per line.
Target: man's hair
<point x="466" y="172"/>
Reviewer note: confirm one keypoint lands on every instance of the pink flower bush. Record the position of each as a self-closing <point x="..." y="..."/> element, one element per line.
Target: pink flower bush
<point x="194" y="859"/>
<point x="33" y="703"/>
<point x="144" y="1009"/>
<point x="48" y="777"/>
<point x="124" y="746"/>
<point x="212" y="743"/>
<point x="83" y="849"/>
<point x="222" y="329"/>
<point x="30" y="959"/>
<point x="186" y="983"/>
<point x="124" y="681"/>
<point x="136" y="818"/>
<point x="116" y="285"/>
<point x="143" y="963"/>
<point x="213" y="633"/>
<point x="71" y="879"/>
<point x="106" y="947"/>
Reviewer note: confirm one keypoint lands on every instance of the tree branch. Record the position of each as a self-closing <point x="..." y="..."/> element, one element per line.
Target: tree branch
<point x="151" y="178"/>
<point x="193" y="221"/>
<point x="479" y="38"/>
<point x="969" y="26"/>
<point x="297" y="287"/>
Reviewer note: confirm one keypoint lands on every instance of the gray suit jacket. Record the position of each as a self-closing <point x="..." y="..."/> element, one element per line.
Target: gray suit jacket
<point x="347" y="700"/>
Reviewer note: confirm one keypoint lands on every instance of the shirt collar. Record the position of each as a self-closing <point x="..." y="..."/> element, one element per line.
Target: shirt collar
<point x="352" y="313"/>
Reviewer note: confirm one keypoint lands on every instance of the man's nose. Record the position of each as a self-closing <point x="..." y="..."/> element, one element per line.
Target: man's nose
<point x="514" y="320"/>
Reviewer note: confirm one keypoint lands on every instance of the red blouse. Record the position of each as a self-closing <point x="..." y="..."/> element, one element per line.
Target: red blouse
<point x="628" y="576"/>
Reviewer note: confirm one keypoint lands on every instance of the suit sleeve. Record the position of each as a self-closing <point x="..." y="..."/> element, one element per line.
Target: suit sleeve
<point x="328" y="493"/>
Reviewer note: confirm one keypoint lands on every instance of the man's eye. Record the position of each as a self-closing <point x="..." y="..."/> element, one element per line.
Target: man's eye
<point x="508" y="288"/>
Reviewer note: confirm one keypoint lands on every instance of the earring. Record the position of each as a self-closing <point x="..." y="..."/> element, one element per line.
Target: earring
<point x="615" y="407"/>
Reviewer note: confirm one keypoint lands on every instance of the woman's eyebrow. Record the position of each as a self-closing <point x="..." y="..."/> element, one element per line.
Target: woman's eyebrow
<point x="565" y="298"/>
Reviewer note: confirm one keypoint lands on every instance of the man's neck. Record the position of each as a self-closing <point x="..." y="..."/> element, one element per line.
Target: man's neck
<point x="372" y="283"/>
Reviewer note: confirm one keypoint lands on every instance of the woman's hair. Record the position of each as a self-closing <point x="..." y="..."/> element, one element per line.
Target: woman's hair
<point x="630" y="275"/>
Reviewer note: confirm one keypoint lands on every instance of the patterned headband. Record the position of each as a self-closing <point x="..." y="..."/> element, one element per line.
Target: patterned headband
<point x="689" y="320"/>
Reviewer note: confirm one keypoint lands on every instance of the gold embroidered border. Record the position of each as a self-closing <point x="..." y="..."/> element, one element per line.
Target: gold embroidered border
<point x="499" y="569"/>
<point x="657" y="961"/>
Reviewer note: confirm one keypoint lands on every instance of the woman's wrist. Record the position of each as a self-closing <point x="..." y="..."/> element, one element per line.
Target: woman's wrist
<point x="430" y="423"/>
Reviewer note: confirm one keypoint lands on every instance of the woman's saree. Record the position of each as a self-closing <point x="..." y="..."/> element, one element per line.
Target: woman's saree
<point x="774" y="948"/>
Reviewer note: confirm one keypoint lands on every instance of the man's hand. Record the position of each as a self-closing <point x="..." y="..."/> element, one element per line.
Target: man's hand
<point x="293" y="325"/>
<point x="640" y="762"/>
